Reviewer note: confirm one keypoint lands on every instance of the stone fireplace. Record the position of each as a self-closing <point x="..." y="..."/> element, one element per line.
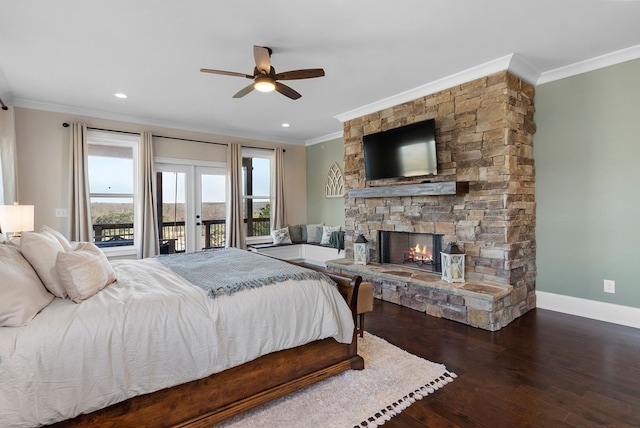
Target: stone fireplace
<point x="482" y="198"/>
<point x="410" y="249"/>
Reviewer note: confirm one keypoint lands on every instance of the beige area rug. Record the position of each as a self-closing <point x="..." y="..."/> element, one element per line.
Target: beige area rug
<point x="392" y="380"/>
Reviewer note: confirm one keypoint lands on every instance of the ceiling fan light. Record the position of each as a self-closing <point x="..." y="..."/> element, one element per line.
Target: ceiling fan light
<point x="264" y="84"/>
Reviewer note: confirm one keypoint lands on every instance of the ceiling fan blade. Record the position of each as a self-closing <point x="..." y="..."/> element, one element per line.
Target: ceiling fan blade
<point x="287" y="91"/>
<point x="262" y="56"/>
<point x="300" y="74"/>
<point x="226" y="73"/>
<point x="244" y="91"/>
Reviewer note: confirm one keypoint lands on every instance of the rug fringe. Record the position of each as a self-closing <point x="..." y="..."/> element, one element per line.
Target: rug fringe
<point x="396" y="407"/>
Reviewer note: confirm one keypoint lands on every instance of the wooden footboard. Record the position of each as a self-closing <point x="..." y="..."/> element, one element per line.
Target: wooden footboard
<point x="204" y="402"/>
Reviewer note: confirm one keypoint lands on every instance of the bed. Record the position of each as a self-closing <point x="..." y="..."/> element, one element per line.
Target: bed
<point x="154" y="349"/>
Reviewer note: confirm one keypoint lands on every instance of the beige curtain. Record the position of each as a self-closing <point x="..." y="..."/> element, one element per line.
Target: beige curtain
<point x="148" y="224"/>
<point x="235" y="233"/>
<point x="8" y="159"/>
<point x="79" y="201"/>
<point x="278" y="217"/>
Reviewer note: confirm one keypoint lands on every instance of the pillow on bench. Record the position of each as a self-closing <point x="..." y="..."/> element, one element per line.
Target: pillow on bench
<point x="326" y="234"/>
<point x="318" y="234"/>
<point x="295" y="232"/>
<point x="281" y="236"/>
<point x="312" y="233"/>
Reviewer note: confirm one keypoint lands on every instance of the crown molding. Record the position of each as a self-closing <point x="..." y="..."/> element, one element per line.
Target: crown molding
<point x="523" y="69"/>
<point x="99" y="114"/>
<point x="592" y="64"/>
<point x="459" y="78"/>
<point x="324" y="138"/>
<point x="514" y="63"/>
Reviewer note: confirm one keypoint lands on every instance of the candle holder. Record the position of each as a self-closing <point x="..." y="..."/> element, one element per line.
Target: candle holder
<point x="360" y="250"/>
<point x="452" y="263"/>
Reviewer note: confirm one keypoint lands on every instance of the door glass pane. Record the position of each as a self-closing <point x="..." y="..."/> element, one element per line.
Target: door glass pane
<point x="212" y="210"/>
<point x="173" y="208"/>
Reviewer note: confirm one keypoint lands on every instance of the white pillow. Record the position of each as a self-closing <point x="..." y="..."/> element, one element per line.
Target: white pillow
<point x="326" y="233"/>
<point x="84" y="272"/>
<point x="312" y="233"/>
<point x="23" y="295"/>
<point x="59" y="237"/>
<point x="281" y="236"/>
<point x="41" y="250"/>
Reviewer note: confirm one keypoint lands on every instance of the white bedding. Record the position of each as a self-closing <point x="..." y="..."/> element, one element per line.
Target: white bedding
<point x="151" y="330"/>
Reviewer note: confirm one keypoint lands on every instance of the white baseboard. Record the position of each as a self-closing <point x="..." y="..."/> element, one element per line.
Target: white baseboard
<point x="617" y="314"/>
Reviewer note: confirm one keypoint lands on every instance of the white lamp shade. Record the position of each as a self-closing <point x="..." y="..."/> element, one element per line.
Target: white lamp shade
<point x="16" y="218"/>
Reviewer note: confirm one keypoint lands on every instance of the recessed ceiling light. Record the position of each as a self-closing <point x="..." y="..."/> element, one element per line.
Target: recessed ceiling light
<point x="285" y="125"/>
<point x="120" y="95"/>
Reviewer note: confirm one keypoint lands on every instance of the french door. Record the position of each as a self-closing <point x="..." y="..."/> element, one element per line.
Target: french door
<point x="191" y="205"/>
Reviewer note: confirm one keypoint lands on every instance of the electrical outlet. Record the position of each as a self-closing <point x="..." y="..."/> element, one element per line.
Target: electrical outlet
<point x="609" y="286"/>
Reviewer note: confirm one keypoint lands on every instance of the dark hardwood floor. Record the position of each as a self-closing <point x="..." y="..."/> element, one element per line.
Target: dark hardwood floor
<point x="546" y="369"/>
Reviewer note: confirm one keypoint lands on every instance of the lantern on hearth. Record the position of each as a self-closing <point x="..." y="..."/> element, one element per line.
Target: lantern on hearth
<point x="360" y="250"/>
<point x="452" y="263"/>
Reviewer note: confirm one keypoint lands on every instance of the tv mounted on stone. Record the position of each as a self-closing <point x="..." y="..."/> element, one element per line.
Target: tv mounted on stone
<point x="407" y="151"/>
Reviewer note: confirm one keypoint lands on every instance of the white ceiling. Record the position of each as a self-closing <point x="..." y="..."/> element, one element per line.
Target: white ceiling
<point x="73" y="55"/>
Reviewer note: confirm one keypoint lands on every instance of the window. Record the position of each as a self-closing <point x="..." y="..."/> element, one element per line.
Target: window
<point x="112" y="170"/>
<point x="256" y="194"/>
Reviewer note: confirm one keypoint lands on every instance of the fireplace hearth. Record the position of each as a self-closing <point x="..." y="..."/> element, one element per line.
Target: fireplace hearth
<point x="409" y="249"/>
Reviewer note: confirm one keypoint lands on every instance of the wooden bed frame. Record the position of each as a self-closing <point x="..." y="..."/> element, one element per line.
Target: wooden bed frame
<point x="204" y="402"/>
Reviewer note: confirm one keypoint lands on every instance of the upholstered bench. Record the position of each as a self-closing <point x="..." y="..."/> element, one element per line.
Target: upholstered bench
<point x="313" y="254"/>
<point x="365" y="304"/>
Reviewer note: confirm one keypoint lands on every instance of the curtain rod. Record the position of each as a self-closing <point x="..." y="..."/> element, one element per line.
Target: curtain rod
<point x="66" y="125"/>
<point x="4" y="106"/>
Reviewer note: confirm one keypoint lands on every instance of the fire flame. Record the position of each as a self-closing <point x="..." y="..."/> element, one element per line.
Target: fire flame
<point x="420" y="253"/>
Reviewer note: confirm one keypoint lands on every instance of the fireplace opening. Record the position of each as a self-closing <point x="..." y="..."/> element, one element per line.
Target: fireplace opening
<point x="408" y="249"/>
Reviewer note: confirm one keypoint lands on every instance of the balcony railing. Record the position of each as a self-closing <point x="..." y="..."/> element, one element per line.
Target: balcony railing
<point x="213" y="233"/>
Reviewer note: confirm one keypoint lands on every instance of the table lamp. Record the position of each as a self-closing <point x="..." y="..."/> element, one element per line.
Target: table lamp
<point x="16" y="218"/>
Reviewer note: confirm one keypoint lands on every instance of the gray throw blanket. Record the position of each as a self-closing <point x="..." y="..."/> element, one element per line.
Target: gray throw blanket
<point x="228" y="270"/>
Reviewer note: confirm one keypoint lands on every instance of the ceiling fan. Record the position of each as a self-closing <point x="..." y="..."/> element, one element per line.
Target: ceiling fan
<point x="265" y="78"/>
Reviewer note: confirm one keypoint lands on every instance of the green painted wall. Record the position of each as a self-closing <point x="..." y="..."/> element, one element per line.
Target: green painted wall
<point x="587" y="159"/>
<point x="321" y="209"/>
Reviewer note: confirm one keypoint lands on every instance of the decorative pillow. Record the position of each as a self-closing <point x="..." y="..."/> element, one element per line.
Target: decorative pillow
<point x="314" y="233"/>
<point x="2" y="238"/>
<point x="281" y="236"/>
<point x="59" y="237"/>
<point x="326" y="233"/>
<point x="84" y="272"/>
<point x="295" y="232"/>
<point x="41" y="249"/>
<point x="23" y="295"/>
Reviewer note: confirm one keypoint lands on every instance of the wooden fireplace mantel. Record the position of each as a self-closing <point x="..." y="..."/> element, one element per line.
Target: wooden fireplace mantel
<point x="420" y="189"/>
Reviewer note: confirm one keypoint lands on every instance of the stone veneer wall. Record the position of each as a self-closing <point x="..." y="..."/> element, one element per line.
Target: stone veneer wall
<point x="484" y="131"/>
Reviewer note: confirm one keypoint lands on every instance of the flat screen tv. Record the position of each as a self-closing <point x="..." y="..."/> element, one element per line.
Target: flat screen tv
<point x="407" y="151"/>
